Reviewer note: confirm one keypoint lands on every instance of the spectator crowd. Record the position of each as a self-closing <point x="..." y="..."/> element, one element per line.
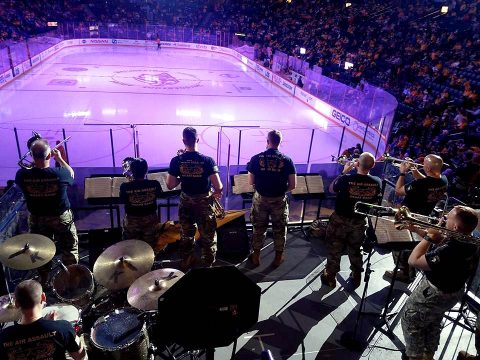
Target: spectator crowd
<point x="428" y="59"/>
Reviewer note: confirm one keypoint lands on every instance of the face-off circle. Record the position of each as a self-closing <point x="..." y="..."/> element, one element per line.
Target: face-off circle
<point x="156" y="79"/>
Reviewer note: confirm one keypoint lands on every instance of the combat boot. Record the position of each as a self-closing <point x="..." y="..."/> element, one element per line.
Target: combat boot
<point x="279" y="259"/>
<point x="463" y="355"/>
<point x="355" y="279"/>
<point x="328" y="279"/>
<point x="255" y="257"/>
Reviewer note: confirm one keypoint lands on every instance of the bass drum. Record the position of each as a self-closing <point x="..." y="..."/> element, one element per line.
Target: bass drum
<point x="120" y="335"/>
<point x="74" y="285"/>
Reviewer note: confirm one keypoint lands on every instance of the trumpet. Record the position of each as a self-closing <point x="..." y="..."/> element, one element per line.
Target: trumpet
<point x="397" y="162"/>
<point x="28" y="165"/>
<point x="218" y="209"/>
<point x="342" y="160"/>
<point x="403" y="218"/>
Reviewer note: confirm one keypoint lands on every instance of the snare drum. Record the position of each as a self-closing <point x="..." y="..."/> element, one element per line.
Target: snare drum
<point x="120" y="335"/>
<point x="65" y="312"/>
<point x="74" y="286"/>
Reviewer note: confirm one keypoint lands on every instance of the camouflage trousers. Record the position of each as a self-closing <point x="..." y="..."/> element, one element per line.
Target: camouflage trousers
<point x="141" y="228"/>
<point x="263" y="208"/>
<point x="422" y="317"/>
<point x="345" y="232"/>
<point x="61" y="229"/>
<point x="197" y="211"/>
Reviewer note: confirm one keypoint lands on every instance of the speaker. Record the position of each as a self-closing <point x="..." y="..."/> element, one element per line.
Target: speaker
<point x="232" y="240"/>
<point x="208" y="308"/>
<point x="99" y="240"/>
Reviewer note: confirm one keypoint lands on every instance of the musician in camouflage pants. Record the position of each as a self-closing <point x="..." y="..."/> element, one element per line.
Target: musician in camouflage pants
<point x="198" y="174"/>
<point x="447" y="264"/>
<point x="141" y="228"/>
<point x="198" y="209"/>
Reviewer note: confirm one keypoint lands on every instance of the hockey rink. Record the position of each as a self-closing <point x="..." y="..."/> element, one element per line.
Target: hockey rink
<point x="101" y="95"/>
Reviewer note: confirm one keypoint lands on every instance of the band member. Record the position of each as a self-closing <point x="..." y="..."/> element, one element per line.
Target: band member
<point x="197" y="173"/>
<point x="35" y="337"/>
<point x="45" y="191"/>
<point x="140" y="199"/>
<point x="345" y="228"/>
<point x="272" y="174"/>
<point x="421" y="195"/>
<point x="438" y="256"/>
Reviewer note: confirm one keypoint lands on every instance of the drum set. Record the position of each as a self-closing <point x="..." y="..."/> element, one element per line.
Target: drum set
<point x="114" y="309"/>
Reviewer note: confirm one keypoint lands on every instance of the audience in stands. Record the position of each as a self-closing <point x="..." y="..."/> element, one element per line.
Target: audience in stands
<point x="428" y="60"/>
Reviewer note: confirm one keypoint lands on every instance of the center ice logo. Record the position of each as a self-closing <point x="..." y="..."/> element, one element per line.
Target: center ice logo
<point x="155" y="79"/>
<point x="159" y="79"/>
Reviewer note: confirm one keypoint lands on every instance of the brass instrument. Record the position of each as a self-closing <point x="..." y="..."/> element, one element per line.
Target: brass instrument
<point x="127" y="172"/>
<point x="28" y="165"/>
<point x="343" y="159"/>
<point x="397" y="162"/>
<point x="181" y="151"/>
<point x="218" y="208"/>
<point x="402" y="218"/>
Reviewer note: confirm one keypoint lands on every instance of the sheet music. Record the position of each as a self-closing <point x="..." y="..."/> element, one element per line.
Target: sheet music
<point x="387" y="233"/>
<point x="161" y="177"/>
<point x="241" y="184"/>
<point x="301" y="187"/>
<point x="116" y="182"/>
<point x="315" y="184"/>
<point x="98" y="187"/>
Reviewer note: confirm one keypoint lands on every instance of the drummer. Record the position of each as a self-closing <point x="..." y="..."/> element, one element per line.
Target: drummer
<point x="34" y="337"/>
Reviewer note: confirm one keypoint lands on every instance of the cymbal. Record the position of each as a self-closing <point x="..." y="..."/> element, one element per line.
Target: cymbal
<point x="143" y="294"/>
<point x="8" y="311"/>
<point x="27" y="251"/>
<point x="122" y="263"/>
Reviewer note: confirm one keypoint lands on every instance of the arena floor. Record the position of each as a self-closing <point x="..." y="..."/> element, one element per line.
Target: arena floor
<point x="88" y="90"/>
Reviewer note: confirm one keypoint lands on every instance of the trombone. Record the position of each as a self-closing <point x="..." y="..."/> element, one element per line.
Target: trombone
<point x="28" y="165"/>
<point x="343" y="159"/>
<point x="402" y="218"/>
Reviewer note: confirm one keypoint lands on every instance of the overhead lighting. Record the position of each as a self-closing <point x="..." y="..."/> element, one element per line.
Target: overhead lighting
<point x="240" y="34"/>
<point x="303" y="51"/>
<point x="289" y="1"/>
<point x="444" y="9"/>
<point x="52" y="24"/>
<point x="348" y="4"/>
<point x="348" y="65"/>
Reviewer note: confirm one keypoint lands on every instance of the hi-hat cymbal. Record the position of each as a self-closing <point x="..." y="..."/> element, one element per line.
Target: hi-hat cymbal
<point x="122" y="263"/>
<point x="143" y="294"/>
<point x="8" y="311"/>
<point x="26" y="251"/>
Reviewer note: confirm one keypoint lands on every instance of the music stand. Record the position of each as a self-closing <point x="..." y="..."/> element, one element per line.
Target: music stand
<point x="208" y="308"/>
<point x="349" y="338"/>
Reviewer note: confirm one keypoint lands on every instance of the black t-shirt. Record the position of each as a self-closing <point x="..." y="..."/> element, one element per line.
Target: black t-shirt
<point x="43" y="339"/>
<point x="45" y="189"/>
<point x="194" y="171"/>
<point x="140" y="196"/>
<point x="271" y="169"/>
<point x="451" y="265"/>
<point x="423" y="194"/>
<point x="352" y="188"/>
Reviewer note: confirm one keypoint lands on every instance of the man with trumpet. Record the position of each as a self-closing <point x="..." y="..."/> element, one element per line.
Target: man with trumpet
<point x="421" y="196"/>
<point x="197" y="173"/>
<point x="45" y="191"/>
<point x="448" y="258"/>
<point x="346" y="228"/>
